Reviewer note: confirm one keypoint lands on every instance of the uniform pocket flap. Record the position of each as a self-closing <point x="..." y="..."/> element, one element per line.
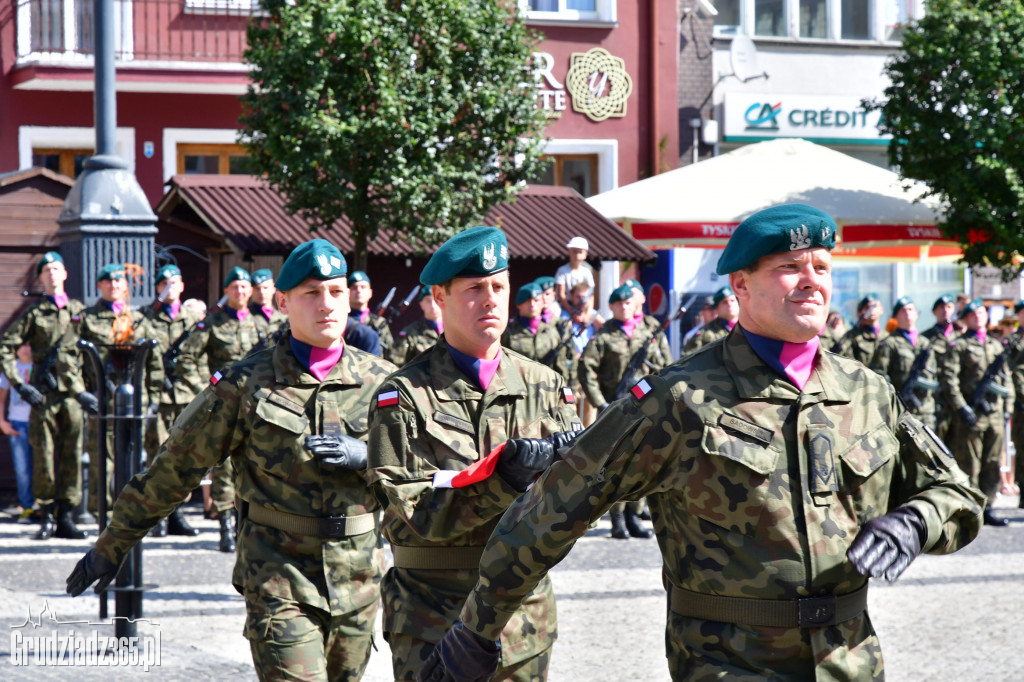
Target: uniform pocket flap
<point x="280" y="415"/>
<point x="871" y="451"/>
<point x="740" y="448"/>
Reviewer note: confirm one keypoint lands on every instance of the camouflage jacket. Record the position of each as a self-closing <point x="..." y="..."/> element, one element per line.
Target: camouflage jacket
<point x="894" y="359"/>
<point x="380" y="325"/>
<point x="756" y="490"/>
<point x="608" y="354"/>
<point x="442" y="421"/>
<point x="859" y="343"/>
<point x="1015" y="361"/>
<point x="711" y="332"/>
<point x="413" y="340"/>
<point x="219" y="340"/>
<point x="259" y="413"/>
<point x="264" y="326"/>
<point x="539" y="347"/>
<point x="96" y="324"/>
<point x="963" y="367"/>
<point x="159" y="325"/>
<point x="44" y="326"/>
<point x="937" y="332"/>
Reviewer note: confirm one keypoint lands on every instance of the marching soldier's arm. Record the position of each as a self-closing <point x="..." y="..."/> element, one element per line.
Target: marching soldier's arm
<point x="587" y="370"/>
<point x="1016" y="364"/>
<point x="1007" y="381"/>
<point x="192" y="365"/>
<point x="663" y="354"/>
<point x="205" y="434"/>
<point x="949" y="377"/>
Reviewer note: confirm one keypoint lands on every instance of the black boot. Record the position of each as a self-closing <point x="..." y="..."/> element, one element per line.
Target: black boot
<point x="84" y="516"/>
<point x="159" y="530"/>
<point x="991" y="519"/>
<point x="619" y="531"/>
<point x="66" y="527"/>
<point x="177" y="525"/>
<point x="633" y="526"/>
<point x="227" y="531"/>
<point x="48" y="525"/>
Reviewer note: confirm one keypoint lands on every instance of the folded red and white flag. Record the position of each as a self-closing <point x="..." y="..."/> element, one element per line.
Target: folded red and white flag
<point x="474" y="473"/>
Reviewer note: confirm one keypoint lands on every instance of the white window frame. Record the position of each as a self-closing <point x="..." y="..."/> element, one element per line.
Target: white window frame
<point x="177" y="136"/>
<point x="228" y="7"/>
<point x="46" y="137"/>
<point x="791" y="10"/>
<point x="124" y="35"/>
<point x="607" y="152"/>
<point x="605" y="14"/>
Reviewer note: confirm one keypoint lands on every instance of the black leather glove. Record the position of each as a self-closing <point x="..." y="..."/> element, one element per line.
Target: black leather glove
<point x="564" y="440"/>
<point x="89" y="569"/>
<point x="89" y="402"/>
<point x="461" y="656"/>
<point x="338" y="452"/>
<point x="602" y="408"/>
<point x="886" y="545"/>
<point x="524" y="458"/>
<point x="967" y="416"/>
<point x="31" y="395"/>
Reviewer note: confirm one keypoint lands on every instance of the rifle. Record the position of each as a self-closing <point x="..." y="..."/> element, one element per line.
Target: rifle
<point x="170" y="358"/>
<point x="988" y="386"/>
<point x="159" y="302"/>
<point x="640" y="357"/>
<point x="382" y="308"/>
<point x="394" y="312"/>
<point x="42" y="374"/>
<point x="552" y="354"/>
<point x="915" y="379"/>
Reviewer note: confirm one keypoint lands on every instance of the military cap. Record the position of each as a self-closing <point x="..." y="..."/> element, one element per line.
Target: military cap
<point x="622" y="293"/>
<point x="707" y="302"/>
<point x="942" y="300"/>
<point x="1018" y="306"/>
<point x="358" y="276"/>
<point x="973" y="306"/>
<point x="634" y="284"/>
<point x="48" y="257"/>
<point x="424" y="292"/>
<point x="722" y="294"/>
<point x="866" y="301"/>
<point x="789" y="227"/>
<point x="546" y="282"/>
<point x="317" y="258"/>
<point x="262" y="275"/>
<point x="901" y="303"/>
<point x="111" y="271"/>
<point x="166" y="272"/>
<point x="528" y="292"/>
<point x="477" y="252"/>
<point x="237" y="273"/>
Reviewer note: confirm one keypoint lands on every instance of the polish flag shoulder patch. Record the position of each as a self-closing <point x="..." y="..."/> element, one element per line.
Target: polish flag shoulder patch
<point x="569" y="396"/>
<point x="641" y="389"/>
<point x="387" y="399"/>
<point x="217" y="376"/>
<point x="200" y="326"/>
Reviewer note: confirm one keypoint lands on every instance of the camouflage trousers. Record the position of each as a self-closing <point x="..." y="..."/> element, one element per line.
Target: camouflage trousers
<point x="293" y="641"/>
<point x="408" y="654"/>
<point x="55" y="434"/>
<point x="979" y="452"/>
<point x="222" y="486"/>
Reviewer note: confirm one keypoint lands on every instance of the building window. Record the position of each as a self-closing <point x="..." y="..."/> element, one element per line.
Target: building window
<point x="813" y="19"/>
<point x="64" y="29"/>
<point x="769" y="18"/>
<point x="877" y="20"/>
<point x="899" y="13"/>
<point x="727" y="21"/>
<point x="856" y="20"/>
<point x="578" y="171"/>
<point x="541" y="11"/>
<point x="213" y="159"/>
<point x="64" y="161"/>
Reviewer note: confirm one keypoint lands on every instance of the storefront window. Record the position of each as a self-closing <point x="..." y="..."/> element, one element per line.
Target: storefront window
<point x="727" y="22"/>
<point x="813" y="19"/>
<point x="769" y="18"/>
<point x="856" y="23"/>
<point x="578" y="171"/>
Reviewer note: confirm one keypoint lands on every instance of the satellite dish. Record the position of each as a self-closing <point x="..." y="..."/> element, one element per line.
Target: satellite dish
<point x="743" y="57"/>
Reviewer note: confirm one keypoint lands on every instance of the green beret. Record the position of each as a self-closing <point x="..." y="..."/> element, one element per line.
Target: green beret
<point x="774" y="230"/>
<point x="902" y="302"/>
<point x="262" y="275"/>
<point x="943" y="300"/>
<point x="477" y="252"/>
<point x="973" y="306"/>
<point x="866" y="301"/>
<point x="1018" y="306"/>
<point x="111" y="271"/>
<point x="424" y="292"/>
<point x="317" y="258"/>
<point x="721" y="295"/>
<point x="528" y="292"/>
<point x="48" y="257"/>
<point x="358" y="276"/>
<point x="546" y="282"/>
<point x="634" y="284"/>
<point x="167" y="271"/>
<point x="623" y="293"/>
<point x="239" y="274"/>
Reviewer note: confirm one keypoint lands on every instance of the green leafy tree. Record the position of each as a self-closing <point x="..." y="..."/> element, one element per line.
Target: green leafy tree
<point x="954" y="111"/>
<point x="409" y="117"/>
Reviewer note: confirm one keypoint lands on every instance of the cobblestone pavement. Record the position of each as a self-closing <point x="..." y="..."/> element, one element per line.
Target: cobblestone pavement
<point x="952" y="618"/>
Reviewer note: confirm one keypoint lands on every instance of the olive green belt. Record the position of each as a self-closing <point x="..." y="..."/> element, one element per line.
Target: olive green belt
<point x="437" y="558"/>
<point x="809" y="612"/>
<point x="332" y="527"/>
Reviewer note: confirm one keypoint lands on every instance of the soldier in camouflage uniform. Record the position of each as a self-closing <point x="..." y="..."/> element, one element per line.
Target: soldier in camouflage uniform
<point x="293" y="418"/>
<point x="433" y="422"/>
<point x="779" y="477"/>
<point x="862" y="340"/>
<point x="57" y="394"/>
<point x="1015" y="348"/>
<point x="223" y="338"/>
<point x="552" y="311"/>
<point x="895" y="359"/>
<point x="268" y="319"/>
<point x="528" y="335"/>
<point x="110" y="320"/>
<point x="360" y="293"/>
<point x="422" y="334"/>
<point x="649" y="321"/>
<point x="940" y="334"/>
<point x="166" y="321"/>
<point x="727" y="309"/>
<point x="977" y="428"/>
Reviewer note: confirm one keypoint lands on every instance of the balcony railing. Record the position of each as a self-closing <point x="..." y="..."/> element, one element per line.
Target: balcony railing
<point x="148" y="31"/>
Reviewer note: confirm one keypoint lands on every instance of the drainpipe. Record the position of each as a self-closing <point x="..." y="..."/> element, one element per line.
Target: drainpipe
<point x="655" y="98"/>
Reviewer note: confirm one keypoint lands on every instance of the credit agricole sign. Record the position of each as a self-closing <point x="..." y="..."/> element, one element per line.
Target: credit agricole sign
<point x="594" y="83"/>
<point x="821" y="118"/>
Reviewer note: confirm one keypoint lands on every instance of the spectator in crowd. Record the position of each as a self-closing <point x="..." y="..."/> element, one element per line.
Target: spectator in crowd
<point x="14" y="424"/>
<point x="576" y="270"/>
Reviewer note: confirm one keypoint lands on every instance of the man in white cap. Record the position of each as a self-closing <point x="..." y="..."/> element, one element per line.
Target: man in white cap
<point x="576" y="270"/>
